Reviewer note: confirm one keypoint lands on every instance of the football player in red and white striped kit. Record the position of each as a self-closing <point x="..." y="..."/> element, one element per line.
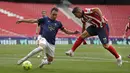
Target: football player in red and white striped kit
<point x="127" y="27"/>
<point x="98" y="26"/>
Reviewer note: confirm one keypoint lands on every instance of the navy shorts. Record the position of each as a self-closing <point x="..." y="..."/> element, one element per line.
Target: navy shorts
<point x="103" y="33"/>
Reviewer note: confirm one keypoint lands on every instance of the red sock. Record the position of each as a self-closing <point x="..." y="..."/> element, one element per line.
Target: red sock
<point x="77" y="43"/>
<point x="84" y="42"/>
<point x="113" y="51"/>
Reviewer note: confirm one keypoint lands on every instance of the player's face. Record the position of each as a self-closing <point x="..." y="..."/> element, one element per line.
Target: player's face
<point x="78" y="14"/>
<point x="43" y="13"/>
<point x="54" y="15"/>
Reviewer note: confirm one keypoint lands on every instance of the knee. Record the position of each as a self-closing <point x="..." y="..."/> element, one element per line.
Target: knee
<point x="40" y="47"/>
<point x="106" y="46"/>
<point x="82" y="36"/>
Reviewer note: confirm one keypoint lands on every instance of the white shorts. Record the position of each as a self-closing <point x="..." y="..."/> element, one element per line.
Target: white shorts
<point x="47" y="47"/>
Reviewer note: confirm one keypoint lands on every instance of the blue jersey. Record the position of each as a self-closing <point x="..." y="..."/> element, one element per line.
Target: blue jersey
<point x="49" y="28"/>
<point x="39" y="25"/>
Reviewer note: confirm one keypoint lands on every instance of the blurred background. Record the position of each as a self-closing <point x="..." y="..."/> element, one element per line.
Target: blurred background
<point x="116" y="11"/>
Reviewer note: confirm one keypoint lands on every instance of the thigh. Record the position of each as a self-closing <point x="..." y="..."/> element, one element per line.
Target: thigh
<point x="50" y="50"/>
<point x="42" y="42"/>
<point x="103" y="34"/>
<point x="92" y="30"/>
<point x="38" y="38"/>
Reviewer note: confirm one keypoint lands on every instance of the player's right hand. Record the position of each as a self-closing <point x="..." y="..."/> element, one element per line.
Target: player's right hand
<point x="19" y="21"/>
<point x="76" y="32"/>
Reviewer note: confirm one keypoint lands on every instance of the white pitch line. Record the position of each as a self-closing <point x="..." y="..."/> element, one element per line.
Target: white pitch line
<point x="88" y="60"/>
<point x="92" y="59"/>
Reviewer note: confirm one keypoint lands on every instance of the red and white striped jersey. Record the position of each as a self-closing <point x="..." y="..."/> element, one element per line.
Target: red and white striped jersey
<point x="93" y="18"/>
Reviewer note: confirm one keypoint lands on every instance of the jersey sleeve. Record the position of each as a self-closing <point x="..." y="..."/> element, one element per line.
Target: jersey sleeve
<point x="88" y="10"/>
<point x="61" y="26"/>
<point x="41" y="20"/>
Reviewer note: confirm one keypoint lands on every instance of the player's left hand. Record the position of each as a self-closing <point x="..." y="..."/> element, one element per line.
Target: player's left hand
<point x="76" y="32"/>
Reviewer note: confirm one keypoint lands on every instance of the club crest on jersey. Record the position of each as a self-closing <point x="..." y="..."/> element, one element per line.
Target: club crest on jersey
<point x="55" y="24"/>
<point x="51" y="27"/>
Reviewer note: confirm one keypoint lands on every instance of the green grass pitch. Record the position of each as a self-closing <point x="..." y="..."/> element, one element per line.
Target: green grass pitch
<point x="87" y="59"/>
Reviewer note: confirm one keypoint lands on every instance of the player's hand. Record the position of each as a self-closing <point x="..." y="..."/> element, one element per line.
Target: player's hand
<point x="19" y="21"/>
<point x="76" y="32"/>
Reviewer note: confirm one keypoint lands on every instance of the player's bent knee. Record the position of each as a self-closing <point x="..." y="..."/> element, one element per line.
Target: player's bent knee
<point x="106" y="46"/>
<point x="42" y="45"/>
<point x="85" y="34"/>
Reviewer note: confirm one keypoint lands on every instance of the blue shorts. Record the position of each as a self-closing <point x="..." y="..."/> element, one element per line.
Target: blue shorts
<point x="103" y="33"/>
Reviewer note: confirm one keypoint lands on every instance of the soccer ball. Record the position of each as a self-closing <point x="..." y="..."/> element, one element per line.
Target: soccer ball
<point x="27" y="65"/>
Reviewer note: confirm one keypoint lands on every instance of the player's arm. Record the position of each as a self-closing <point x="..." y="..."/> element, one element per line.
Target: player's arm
<point x="37" y="30"/>
<point x="27" y="21"/>
<point x="69" y="32"/>
<point x="83" y="26"/>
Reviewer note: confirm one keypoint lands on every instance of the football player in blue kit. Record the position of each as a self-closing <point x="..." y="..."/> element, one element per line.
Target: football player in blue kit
<point x="49" y="27"/>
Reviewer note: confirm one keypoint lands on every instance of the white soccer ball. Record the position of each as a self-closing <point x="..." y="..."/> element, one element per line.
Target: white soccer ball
<point x="27" y="65"/>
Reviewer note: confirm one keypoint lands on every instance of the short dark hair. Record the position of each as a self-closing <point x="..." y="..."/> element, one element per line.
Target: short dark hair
<point x="54" y="9"/>
<point x="75" y="10"/>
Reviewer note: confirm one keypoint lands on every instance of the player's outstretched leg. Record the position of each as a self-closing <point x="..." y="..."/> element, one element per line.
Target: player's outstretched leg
<point x="33" y="52"/>
<point x="41" y="55"/>
<point x="112" y="50"/>
<point x="79" y="40"/>
<point x="76" y="44"/>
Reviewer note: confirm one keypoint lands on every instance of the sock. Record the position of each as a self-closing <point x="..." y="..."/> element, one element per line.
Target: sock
<point x="33" y="52"/>
<point x="45" y="62"/>
<point x="77" y="43"/>
<point x="113" y="51"/>
<point x="84" y="42"/>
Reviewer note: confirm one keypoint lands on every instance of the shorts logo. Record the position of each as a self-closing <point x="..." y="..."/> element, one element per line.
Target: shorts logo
<point x="105" y="40"/>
